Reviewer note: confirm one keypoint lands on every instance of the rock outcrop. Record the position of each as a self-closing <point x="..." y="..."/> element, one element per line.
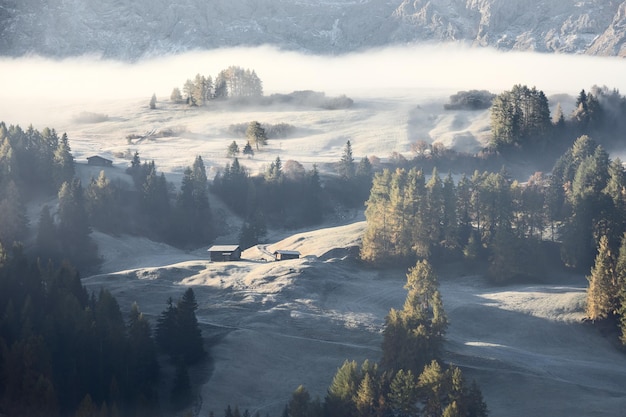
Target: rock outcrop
<point x="129" y="30"/>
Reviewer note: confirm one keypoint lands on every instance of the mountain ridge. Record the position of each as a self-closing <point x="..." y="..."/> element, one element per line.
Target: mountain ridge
<point x="130" y="30"/>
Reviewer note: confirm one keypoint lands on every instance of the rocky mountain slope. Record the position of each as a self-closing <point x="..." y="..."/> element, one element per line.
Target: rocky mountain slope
<point x="129" y="30"/>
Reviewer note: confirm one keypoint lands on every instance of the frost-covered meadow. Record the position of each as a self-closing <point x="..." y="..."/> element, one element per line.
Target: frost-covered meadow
<point x="282" y="324"/>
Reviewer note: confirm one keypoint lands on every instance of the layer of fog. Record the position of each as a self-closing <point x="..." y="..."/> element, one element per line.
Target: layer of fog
<point x="449" y="67"/>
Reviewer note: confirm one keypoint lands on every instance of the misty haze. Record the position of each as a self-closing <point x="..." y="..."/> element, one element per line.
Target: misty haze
<point x="335" y="223"/>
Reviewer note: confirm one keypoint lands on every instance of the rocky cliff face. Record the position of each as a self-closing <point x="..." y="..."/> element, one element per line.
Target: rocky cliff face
<point x="129" y="29"/>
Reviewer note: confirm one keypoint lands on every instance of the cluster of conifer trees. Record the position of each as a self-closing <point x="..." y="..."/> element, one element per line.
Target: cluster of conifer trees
<point x="286" y="196"/>
<point x="31" y="163"/>
<point x="63" y="352"/>
<point x="521" y="120"/>
<point x="232" y="82"/>
<point x="488" y="216"/>
<point x="34" y="163"/>
<point x="184" y="219"/>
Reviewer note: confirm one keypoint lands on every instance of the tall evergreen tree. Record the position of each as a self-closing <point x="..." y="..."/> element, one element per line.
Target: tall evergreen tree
<point x="435" y="208"/>
<point x="602" y="291"/>
<point x="167" y="327"/>
<point x="312" y="198"/>
<point x="247" y="150"/>
<point x="377" y="236"/>
<point x="232" y="150"/>
<point x="190" y="336"/>
<point x="103" y="204"/>
<point x="63" y="162"/>
<point x="155" y="203"/>
<point x="342" y="391"/>
<point x="275" y="171"/>
<point x="414" y="336"/>
<point x="403" y="394"/>
<point x="74" y="228"/>
<point x="366" y="398"/>
<point x="153" y="101"/>
<point x="256" y="134"/>
<point x="141" y="359"/>
<point x="47" y="245"/>
<point x="620" y="280"/>
<point x="449" y="214"/>
<point x="346" y="166"/>
<point x="178" y="333"/>
<point x="432" y="380"/>
<point x="176" y="95"/>
<point x="13" y="220"/>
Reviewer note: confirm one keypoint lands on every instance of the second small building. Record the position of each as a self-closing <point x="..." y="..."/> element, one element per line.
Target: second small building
<point x="281" y="255"/>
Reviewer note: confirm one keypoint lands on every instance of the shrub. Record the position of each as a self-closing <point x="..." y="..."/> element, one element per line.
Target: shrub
<point x="470" y="100"/>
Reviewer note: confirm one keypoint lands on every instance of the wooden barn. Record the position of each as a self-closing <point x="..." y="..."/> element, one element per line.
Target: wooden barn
<point x="282" y="255"/>
<point x="99" y="161"/>
<point x="224" y="253"/>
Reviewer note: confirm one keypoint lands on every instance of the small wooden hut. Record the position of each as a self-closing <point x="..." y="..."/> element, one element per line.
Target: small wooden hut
<point x="224" y="253"/>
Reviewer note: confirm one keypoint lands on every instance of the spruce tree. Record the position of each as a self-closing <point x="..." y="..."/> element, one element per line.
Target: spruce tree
<point x="189" y="334"/>
<point x="366" y="399"/>
<point x="299" y="404"/>
<point x="176" y="96"/>
<point x="141" y="359"/>
<point x="275" y="171"/>
<point x="620" y="280"/>
<point x="13" y="220"/>
<point x="414" y="335"/>
<point x="47" y="239"/>
<point x="153" y="101"/>
<point x="377" y="236"/>
<point x="476" y="406"/>
<point x="346" y="166"/>
<point x="233" y="150"/>
<point x="343" y="388"/>
<point x="103" y="205"/>
<point x="63" y="162"/>
<point x="435" y="208"/>
<point x="202" y="207"/>
<point x="312" y="198"/>
<point x="247" y="150"/>
<point x="602" y="287"/>
<point x="167" y="328"/>
<point x="256" y="134"/>
<point x="403" y="394"/>
<point x="73" y="227"/>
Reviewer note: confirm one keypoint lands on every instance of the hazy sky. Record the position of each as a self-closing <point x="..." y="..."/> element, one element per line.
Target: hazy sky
<point x="442" y="66"/>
